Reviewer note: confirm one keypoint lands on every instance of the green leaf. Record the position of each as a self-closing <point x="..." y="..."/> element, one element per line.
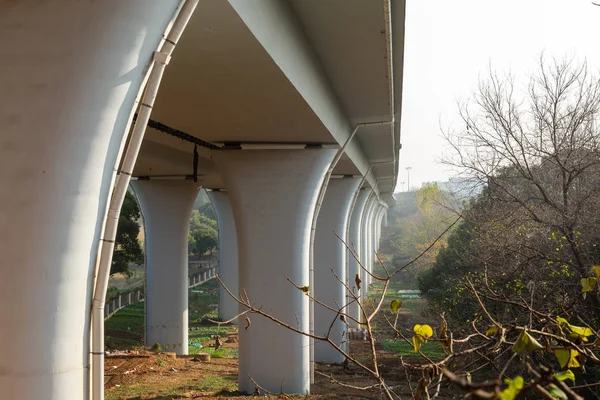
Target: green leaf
<point x="491" y="330"/>
<point x="556" y="392"/>
<point x="422" y="333"/>
<point x="417" y="342"/>
<point x="568" y="374"/>
<point x="423" y="330"/>
<point x="576" y="332"/>
<point x="567" y="358"/>
<point x="395" y="306"/>
<point x="587" y="285"/>
<point x="596" y="270"/>
<point x="513" y="389"/>
<point x="526" y="343"/>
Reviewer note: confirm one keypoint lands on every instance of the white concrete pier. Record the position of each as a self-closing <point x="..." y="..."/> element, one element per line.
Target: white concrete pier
<point x="166" y="206"/>
<point x="330" y="254"/>
<point x="273" y="195"/>
<point x="228" y="254"/>
<point x="69" y="78"/>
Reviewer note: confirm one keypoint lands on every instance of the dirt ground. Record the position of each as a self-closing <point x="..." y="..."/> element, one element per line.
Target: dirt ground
<point x="159" y="376"/>
<point x="146" y="375"/>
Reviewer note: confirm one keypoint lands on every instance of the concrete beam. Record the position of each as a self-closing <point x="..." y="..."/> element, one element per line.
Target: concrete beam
<point x="275" y="26"/>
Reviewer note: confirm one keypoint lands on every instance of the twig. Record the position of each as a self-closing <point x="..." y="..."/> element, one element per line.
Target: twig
<point x="285" y="396"/>
<point x="331" y="378"/>
<point x="437" y="239"/>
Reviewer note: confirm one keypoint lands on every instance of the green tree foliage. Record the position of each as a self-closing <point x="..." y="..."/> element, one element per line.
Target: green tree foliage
<point x="417" y="219"/>
<point x="439" y="283"/>
<point x="203" y="234"/>
<point x="533" y="234"/>
<point x="516" y="287"/>
<point x="127" y="245"/>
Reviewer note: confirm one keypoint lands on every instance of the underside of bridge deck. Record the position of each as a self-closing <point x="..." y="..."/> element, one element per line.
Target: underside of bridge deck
<point x="258" y="98"/>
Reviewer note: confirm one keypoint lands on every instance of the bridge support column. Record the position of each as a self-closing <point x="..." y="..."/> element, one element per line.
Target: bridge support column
<point x="356" y="243"/>
<point x="375" y="237"/>
<point x="228" y="254"/>
<point x="69" y="78"/>
<point x="374" y="242"/>
<point x="330" y="254"/>
<point x="375" y="228"/>
<point x="367" y="242"/>
<point x="166" y="207"/>
<point x="378" y="226"/>
<point x="273" y="195"/>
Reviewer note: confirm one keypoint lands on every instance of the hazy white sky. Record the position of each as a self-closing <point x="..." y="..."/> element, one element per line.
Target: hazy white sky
<point x="450" y="43"/>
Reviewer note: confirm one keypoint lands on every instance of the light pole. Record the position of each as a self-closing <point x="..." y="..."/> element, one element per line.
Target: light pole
<point x="408" y="178"/>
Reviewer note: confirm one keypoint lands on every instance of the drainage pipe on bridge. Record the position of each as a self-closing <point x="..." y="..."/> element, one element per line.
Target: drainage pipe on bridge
<point x="313" y="229"/>
<point x="107" y="242"/>
<point x="387" y="8"/>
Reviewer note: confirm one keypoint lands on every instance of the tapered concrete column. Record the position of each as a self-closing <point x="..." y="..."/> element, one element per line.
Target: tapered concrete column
<point x="355" y="242"/>
<point x="375" y="237"/>
<point x="382" y="214"/>
<point x="166" y="207"/>
<point x="69" y="76"/>
<point x="273" y="195"/>
<point x="367" y="241"/>
<point x="376" y="216"/>
<point x="376" y="232"/>
<point x="228" y="254"/>
<point x="371" y="236"/>
<point x="330" y="254"/>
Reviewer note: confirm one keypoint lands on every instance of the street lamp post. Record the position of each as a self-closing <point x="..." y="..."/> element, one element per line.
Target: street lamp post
<point x="408" y="178"/>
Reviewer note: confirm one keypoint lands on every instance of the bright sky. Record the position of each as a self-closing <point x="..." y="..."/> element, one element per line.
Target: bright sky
<point x="450" y="43"/>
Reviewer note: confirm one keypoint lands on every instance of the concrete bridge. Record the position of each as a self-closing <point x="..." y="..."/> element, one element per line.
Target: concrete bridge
<point x="287" y="109"/>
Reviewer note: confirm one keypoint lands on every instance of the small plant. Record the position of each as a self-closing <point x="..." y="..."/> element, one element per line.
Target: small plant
<point x="156" y="348"/>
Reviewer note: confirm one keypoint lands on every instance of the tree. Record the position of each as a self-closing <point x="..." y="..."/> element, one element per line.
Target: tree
<point x="203" y="234"/>
<point x="539" y="158"/>
<point x="127" y="246"/>
<point x="498" y="358"/>
<point x="416" y="220"/>
<point x="520" y="274"/>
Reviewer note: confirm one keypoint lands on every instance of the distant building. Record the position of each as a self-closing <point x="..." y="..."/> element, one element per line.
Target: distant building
<point x="460" y="187"/>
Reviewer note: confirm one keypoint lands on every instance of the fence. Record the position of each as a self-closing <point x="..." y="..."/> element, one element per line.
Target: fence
<point x="121" y="300"/>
